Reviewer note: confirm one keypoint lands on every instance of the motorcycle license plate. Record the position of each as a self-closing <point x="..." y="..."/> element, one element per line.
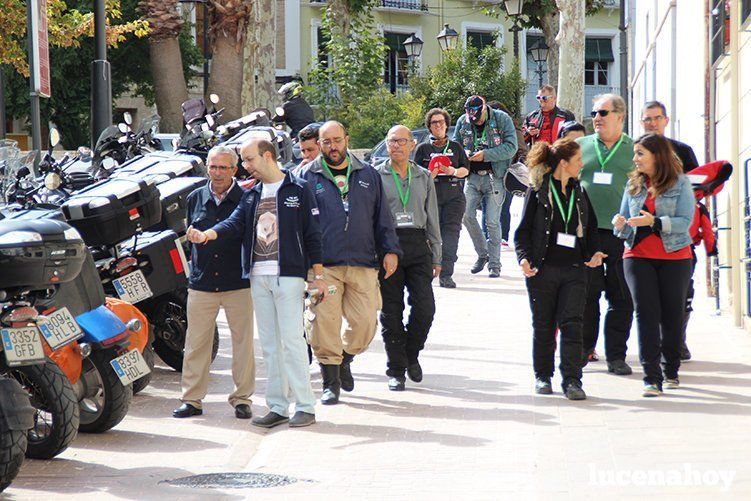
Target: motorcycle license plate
<point x="60" y="328"/>
<point x="132" y="287"/>
<point x="130" y="366"/>
<point x="22" y="345"/>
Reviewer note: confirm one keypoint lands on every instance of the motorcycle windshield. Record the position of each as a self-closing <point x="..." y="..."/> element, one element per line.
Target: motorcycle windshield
<point x="109" y="134"/>
<point x="149" y="125"/>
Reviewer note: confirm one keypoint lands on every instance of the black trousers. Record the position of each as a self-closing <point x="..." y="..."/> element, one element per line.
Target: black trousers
<point x="415" y="273"/>
<point x="556" y="297"/>
<point x="608" y="278"/>
<point x="451" y="204"/>
<point x="659" y="288"/>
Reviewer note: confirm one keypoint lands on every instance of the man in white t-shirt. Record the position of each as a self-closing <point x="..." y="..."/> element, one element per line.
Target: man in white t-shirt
<point x="278" y="220"/>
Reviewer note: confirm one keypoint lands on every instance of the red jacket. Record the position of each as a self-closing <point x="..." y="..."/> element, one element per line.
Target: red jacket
<point x="535" y="119"/>
<point x="708" y="179"/>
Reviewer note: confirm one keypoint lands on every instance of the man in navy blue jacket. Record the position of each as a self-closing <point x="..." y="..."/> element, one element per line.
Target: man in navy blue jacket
<point x="216" y="281"/>
<point x="357" y="232"/>
<point x="281" y="240"/>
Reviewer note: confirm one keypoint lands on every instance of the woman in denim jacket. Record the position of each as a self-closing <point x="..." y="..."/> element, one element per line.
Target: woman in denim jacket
<point x="654" y="219"/>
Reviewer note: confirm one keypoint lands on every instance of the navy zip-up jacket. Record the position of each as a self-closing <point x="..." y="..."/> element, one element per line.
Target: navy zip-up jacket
<point x="359" y="237"/>
<point x="297" y="219"/>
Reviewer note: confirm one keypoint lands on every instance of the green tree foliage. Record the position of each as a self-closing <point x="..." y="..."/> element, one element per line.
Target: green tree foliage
<point x="465" y="72"/>
<point x="534" y="12"/>
<point x="69" y="108"/>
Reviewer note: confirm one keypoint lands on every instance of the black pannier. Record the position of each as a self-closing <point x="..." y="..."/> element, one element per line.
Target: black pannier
<point x="173" y="195"/>
<point x="166" y="268"/>
<point x="38" y="254"/>
<point x="162" y="165"/>
<point x="113" y="210"/>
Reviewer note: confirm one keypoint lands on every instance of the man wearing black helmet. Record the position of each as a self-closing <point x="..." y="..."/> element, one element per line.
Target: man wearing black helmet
<point x="297" y="112"/>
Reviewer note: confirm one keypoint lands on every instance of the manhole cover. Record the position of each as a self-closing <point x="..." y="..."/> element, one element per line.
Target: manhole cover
<point x="233" y="481"/>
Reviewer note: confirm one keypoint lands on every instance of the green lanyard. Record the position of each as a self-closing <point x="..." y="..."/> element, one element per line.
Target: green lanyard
<point x="484" y="135"/>
<point x="610" y="155"/>
<point x="404" y="197"/>
<point x="342" y="189"/>
<point x="566" y="217"/>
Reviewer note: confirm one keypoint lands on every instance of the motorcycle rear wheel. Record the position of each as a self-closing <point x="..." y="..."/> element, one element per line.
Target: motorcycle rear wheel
<point x="102" y="398"/>
<point x="13" y="445"/>
<point x="56" y="416"/>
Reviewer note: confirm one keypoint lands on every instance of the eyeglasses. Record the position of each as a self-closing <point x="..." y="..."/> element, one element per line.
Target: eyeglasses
<point x="221" y="167"/>
<point x="544" y="99"/>
<point x="602" y="113"/>
<point x="328" y="142"/>
<point x="401" y="141"/>
<point x="649" y="120"/>
<point x="436" y="122"/>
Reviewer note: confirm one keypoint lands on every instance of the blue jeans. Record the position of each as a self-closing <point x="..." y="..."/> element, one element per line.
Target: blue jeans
<point x="479" y="189"/>
<point x="278" y="303"/>
<point x="505" y="217"/>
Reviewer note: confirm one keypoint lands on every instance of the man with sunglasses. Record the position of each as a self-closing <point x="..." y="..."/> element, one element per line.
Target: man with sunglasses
<point x="357" y="229"/>
<point x="608" y="158"/>
<point x="544" y="123"/>
<point x="216" y="281"/>
<point x="654" y="118"/>
<point x="489" y="138"/>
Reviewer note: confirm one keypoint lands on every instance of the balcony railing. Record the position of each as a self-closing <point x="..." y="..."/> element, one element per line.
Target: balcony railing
<point x="411" y="5"/>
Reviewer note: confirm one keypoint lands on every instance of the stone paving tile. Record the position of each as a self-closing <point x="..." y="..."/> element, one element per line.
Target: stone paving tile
<point x="472" y="429"/>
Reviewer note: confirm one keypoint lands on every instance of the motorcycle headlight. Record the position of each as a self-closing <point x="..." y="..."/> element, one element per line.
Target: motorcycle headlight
<point x="52" y="181"/>
<point x="72" y="234"/>
<point x="20" y="237"/>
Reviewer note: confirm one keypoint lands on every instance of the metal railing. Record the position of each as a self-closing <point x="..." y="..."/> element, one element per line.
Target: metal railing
<point x="413" y="5"/>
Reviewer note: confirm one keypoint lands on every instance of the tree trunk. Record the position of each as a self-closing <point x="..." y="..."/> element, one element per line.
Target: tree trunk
<point x="550" y="25"/>
<point x="259" y="82"/>
<point x="226" y="78"/>
<point x="169" y="82"/>
<point x="571" y="66"/>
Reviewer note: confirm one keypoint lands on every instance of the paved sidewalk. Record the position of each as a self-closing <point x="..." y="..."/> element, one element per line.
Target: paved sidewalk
<point x="472" y="429"/>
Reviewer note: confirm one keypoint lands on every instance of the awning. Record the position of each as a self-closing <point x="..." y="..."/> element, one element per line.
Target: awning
<point x="598" y="50"/>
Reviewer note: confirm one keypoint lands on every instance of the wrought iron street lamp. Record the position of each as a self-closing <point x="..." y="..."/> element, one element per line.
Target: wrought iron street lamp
<point x="539" y="52"/>
<point x="447" y="38"/>
<point x="514" y="10"/>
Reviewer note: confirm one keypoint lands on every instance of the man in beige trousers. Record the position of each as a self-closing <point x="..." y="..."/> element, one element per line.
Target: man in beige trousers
<point x="216" y="281"/>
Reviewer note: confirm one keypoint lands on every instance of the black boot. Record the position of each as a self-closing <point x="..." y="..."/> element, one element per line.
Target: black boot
<point x="331" y="384"/>
<point x="345" y="373"/>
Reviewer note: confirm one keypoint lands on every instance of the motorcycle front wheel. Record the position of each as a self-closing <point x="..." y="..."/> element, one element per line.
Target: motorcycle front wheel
<point x="56" y="416"/>
<point x="102" y="398"/>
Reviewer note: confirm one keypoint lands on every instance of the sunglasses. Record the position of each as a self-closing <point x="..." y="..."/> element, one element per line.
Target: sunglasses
<point x="602" y="113"/>
<point x="544" y="99"/>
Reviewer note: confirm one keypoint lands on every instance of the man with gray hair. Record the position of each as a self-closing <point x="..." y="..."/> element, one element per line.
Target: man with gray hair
<point x="216" y="280"/>
<point x="608" y="158"/>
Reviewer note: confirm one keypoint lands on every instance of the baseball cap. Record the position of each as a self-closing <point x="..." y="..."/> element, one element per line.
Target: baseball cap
<point x="473" y="106"/>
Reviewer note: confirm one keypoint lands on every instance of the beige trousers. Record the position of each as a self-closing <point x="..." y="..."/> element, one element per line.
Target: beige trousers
<point x="203" y="308"/>
<point x="357" y="299"/>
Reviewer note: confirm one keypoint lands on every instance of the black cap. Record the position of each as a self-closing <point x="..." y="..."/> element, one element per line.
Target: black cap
<point x="474" y="102"/>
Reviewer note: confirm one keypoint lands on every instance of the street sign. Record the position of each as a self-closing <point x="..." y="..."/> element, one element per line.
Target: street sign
<point x="40" y="48"/>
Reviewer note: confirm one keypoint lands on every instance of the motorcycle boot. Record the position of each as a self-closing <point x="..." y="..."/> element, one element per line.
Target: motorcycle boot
<point x="345" y="372"/>
<point x="331" y="384"/>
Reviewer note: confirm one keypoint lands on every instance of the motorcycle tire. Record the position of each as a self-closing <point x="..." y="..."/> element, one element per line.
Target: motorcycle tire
<point x="173" y="358"/>
<point x="56" y="416"/>
<point x="142" y="382"/>
<point x="12" y="451"/>
<point x="103" y="399"/>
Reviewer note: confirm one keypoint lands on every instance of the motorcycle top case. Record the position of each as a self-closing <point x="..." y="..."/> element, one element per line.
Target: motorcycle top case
<point x="113" y="210"/>
<point x="162" y="165"/>
<point x="167" y="268"/>
<point x="174" y="194"/>
<point x="32" y="214"/>
<point x="39" y="254"/>
<point x="278" y="137"/>
<point x="82" y="294"/>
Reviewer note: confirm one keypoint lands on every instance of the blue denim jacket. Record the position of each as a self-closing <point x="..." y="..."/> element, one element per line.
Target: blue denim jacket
<point x="675" y="208"/>
<point x="502" y="141"/>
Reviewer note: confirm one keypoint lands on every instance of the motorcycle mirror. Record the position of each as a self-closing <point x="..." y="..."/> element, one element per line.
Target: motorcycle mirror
<point x="210" y="120"/>
<point x="22" y="172"/>
<point x="175" y="143"/>
<point x="54" y="137"/>
<point x="128" y="118"/>
<point x="214" y="98"/>
<point x="52" y="181"/>
<point x="122" y="139"/>
<point x="122" y="128"/>
<point x="279" y="111"/>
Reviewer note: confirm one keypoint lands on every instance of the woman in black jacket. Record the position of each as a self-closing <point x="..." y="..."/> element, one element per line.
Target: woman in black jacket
<point x="556" y="238"/>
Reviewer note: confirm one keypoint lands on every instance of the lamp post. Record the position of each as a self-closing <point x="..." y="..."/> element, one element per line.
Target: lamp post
<point x="514" y="10"/>
<point x="447" y="38"/>
<point x="413" y="47"/>
<point x="206" y="55"/>
<point x="101" y="83"/>
<point x="539" y="52"/>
